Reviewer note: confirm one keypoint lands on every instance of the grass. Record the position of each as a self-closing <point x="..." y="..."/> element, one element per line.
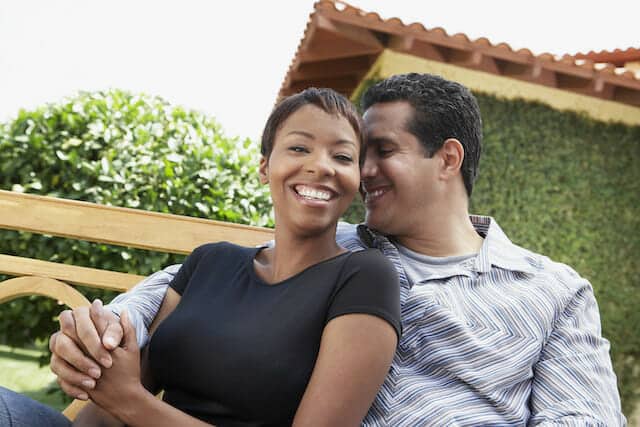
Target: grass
<point x="21" y="372"/>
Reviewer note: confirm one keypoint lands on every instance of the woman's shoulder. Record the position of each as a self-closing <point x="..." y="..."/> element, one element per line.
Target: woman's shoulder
<point x="372" y="263"/>
<point x="370" y="257"/>
<point x="221" y="250"/>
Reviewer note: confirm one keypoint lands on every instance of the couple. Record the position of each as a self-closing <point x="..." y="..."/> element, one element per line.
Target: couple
<point x="492" y="334"/>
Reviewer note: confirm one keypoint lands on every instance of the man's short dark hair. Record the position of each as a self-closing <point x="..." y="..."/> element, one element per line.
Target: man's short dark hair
<point x="330" y="101"/>
<point x="442" y="109"/>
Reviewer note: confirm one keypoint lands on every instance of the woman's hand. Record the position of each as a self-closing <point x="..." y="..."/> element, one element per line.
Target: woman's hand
<point x="119" y="390"/>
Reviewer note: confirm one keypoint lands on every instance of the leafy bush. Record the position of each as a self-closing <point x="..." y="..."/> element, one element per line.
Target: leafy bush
<point x="116" y="148"/>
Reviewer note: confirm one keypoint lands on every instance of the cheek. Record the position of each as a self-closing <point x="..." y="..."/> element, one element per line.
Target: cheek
<point x="352" y="181"/>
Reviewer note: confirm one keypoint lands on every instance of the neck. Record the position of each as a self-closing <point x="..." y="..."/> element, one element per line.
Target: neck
<point x="447" y="231"/>
<point x="292" y="254"/>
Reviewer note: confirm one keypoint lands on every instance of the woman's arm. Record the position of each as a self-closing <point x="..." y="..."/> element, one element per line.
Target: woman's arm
<point x="356" y="351"/>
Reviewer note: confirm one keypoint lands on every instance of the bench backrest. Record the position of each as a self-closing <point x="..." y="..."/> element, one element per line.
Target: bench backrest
<point x="102" y="224"/>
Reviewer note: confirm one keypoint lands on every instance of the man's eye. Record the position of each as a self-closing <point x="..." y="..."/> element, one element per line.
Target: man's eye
<point x="384" y="151"/>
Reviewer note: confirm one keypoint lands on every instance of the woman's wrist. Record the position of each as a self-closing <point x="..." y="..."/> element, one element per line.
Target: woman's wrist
<point x="135" y="411"/>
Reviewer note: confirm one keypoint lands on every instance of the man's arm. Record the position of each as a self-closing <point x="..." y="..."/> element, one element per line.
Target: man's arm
<point x="143" y="301"/>
<point x="574" y="382"/>
<point x="81" y="347"/>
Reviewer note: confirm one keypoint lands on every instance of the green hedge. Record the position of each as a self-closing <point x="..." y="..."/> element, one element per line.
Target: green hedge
<point x="120" y="149"/>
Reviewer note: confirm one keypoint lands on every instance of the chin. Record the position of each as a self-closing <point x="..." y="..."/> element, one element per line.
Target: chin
<point x="375" y="223"/>
<point x="316" y="229"/>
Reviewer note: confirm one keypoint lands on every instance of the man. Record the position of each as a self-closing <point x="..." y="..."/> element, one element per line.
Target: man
<point x="493" y="334"/>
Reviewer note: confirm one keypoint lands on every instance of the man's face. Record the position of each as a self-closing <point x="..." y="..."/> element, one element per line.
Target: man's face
<point x="398" y="180"/>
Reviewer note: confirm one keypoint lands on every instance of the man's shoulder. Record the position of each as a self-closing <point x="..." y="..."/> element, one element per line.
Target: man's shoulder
<point x="544" y="270"/>
<point x="552" y="273"/>
<point x="347" y="237"/>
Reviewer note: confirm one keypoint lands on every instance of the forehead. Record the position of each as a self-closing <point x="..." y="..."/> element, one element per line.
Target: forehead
<point x="387" y="117"/>
<point x="317" y="122"/>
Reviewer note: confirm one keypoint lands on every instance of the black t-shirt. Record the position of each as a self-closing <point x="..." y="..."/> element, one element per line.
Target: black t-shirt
<point x="238" y="351"/>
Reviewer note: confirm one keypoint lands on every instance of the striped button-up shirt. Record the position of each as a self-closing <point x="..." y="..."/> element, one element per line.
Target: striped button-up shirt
<point x="512" y="338"/>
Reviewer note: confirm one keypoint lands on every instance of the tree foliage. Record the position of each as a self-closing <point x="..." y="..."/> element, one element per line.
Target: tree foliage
<point x="120" y="149"/>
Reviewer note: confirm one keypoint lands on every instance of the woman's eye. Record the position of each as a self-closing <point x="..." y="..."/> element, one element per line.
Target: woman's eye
<point x="344" y="158"/>
<point x="298" y="149"/>
<point x="384" y="151"/>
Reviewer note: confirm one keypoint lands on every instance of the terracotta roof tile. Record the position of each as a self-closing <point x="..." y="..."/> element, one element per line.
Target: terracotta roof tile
<point x="357" y="37"/>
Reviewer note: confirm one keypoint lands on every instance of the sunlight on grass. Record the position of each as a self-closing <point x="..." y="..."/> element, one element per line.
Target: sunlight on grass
<point x="19" y="371"/>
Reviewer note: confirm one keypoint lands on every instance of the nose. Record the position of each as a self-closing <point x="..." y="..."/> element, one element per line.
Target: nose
<point x="370" y="166"/>
<point x="321" y="164"/>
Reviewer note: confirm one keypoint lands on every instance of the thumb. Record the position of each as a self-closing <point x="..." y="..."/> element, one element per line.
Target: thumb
<point x="129" y="333"/>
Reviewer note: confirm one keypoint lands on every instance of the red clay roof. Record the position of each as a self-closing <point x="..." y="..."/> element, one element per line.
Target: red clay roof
<point x="341" y="42"/>
<point x="616" y="57"/>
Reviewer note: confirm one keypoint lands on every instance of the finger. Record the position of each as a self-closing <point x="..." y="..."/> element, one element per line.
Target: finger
<point x="113" y="335"/>
<point x="96" y="312"/>
<point x="129" y="338"/>
<point x="66" y="350"/>
<point x="52" y="341"/>
<point x="72" y="391"/>
<point x="88" y="336"/>
<point x="68" y="375"/>
<point x="68" y="324"/>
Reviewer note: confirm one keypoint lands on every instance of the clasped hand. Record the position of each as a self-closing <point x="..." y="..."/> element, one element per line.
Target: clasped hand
<point x="96" y="355"/>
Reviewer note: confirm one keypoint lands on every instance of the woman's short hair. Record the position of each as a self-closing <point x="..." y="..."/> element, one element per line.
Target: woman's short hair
<point x="328" y="100"/>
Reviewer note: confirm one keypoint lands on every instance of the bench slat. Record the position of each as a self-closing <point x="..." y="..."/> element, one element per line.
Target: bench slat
<point x="92" y="277"/>
<point x="120" y="226"/>
<point x="25" y="286"/>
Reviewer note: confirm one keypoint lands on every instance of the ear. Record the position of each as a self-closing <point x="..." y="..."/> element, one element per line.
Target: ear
<point x="452" y="155"/>
<point x="263" y="170"/>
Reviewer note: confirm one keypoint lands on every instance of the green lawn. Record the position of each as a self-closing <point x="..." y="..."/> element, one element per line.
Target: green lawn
<point x="19" y="371"/>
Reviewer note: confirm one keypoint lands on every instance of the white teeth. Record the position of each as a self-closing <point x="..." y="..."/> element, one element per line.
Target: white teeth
<point x="312" y="193"/>
<point x="373" y="194"/>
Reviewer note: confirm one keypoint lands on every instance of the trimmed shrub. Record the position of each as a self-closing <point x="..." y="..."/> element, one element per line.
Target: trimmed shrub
<point x="120" y="149"/>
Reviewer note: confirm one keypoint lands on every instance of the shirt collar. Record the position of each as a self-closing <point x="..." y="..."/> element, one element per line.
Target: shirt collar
<point x="497" y="250"/>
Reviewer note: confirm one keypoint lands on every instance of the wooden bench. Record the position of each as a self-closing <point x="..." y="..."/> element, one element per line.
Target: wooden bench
<point x="101" y="224"/>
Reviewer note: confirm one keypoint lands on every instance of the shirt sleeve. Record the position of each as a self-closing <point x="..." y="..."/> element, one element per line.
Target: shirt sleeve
<point x="182" y="278"/>
<point x="143" y="301"/>
<point x="371" y="287"/>
<point x="574" y="383"/>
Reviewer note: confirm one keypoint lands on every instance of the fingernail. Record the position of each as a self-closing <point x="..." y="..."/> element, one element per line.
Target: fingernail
<point x="110" y="342"/>
<point x="94" y="372"/>
<point x="82" y="396"/>
<point x="88" y="383"/>
<point x="106" y="362"/>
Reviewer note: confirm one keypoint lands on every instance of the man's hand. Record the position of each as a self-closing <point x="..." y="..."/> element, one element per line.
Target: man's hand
<point x="86" y="336"/>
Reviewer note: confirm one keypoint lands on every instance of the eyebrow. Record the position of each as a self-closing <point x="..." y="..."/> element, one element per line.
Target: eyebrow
<point x="379" y="140"/>
<point x="302" y="133"/>
<point x="312" y="136"/>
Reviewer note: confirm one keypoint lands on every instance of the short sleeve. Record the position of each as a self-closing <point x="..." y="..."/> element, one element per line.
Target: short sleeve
<point x="369" y="286"/>
<point x="181" y="279"/>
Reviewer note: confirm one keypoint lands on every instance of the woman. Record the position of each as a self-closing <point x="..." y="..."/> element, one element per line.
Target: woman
<point x="302" y="332"/>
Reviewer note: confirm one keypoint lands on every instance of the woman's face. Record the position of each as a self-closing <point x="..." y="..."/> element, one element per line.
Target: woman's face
<point x="312" y="171"/>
